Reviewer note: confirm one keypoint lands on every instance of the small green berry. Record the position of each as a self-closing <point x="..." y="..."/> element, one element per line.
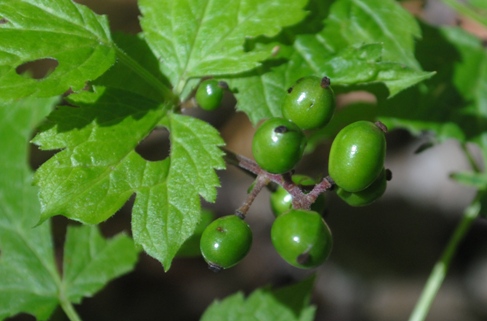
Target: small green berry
<point x="302" y="238"/>
<point x="357" y="156"/>
<point x="278" y="145"/>
<point x="367" y="196"/>
<point x="209" y="94"/>
<point x="310" y="103"/>
<point x="225" y="242"/>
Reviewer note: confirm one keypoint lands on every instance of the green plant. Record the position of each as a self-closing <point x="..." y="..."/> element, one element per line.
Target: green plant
<point x="104" y="92"/>
<point x="302" y="238"/>
<point x="310" y="103"/>
<point x="225" y="242"/>
<point x="357" y="156"/>
<point x="281" y="201"/>
<point x="209" y="94"/>
<point x="368" y="195"/>
<point x="278" y="145"/>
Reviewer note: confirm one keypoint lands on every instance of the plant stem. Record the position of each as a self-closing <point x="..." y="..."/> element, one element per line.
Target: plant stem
<point x="69" y="310"/>
<point x="441" y="267"/>
<point x="166" y="93"/>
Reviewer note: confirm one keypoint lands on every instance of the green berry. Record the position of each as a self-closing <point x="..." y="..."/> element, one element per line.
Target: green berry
<point x="209" y="94"/>
<point x="278" y="145"/>
<point x="367" y="196"/>
<point x="302" y="238"/>
<point x="225" y="242"/>
<point x="191" y="247"/>
<point x="310" y="103"/>
<point x="357" y="156"/>
<point x="282" y="201"/>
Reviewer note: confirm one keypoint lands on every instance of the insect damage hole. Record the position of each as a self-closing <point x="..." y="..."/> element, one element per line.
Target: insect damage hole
<point x="155" y="146"/>
<point x="37" y="69"/>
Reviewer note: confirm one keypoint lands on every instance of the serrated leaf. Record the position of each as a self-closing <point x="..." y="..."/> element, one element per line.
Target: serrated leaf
<point x="166" y="214"/>
<point x="98" y="169"/>
<point x="348" y="52"/>
<point x="24" y="250"/>
<point x="30" y="279"/>
<point x="453" y="104"/>
<point x="69" y="33"/>
<point x="203" y="37"/>
<point x="90" y="261"/>
<point x="286" y="304"/>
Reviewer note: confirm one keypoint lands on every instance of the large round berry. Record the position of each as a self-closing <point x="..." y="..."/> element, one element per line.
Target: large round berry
<point x="310" y="103"/>
<point x="191" y="247"/>
<point x="281" y="201"/>
<point x="209" y="94"/>
<point x="225" y="242"/>
<point x="278" y="144"/>
<point x="357" y="156"/>
<point x="367" y="196"/>
<point x="302" y="238"/>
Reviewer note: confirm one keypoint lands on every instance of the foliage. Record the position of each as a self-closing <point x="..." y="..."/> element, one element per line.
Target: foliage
<point x="112" y="90"/>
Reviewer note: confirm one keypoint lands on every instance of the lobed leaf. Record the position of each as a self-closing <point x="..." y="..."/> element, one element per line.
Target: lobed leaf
<point x="98" y="169"/>
<point x="356" y="46"/>
<point x="25" y="251"/>
<point x="206" y="37"/>
<point x="453" y="104"/>
<point x="287" y="304"/>
<point x="30" y="279"/>
<point x="68" y="34"/>
<point x="90" y="261"/>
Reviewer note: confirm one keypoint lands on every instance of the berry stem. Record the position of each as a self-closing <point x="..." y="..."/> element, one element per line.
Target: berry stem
<point x="301" y="199"/>
<point x="260" y="182"/>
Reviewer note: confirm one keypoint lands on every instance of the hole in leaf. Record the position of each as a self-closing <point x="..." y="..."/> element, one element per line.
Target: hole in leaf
<point x="37" y="69"/>
<point x="155" y="146"/>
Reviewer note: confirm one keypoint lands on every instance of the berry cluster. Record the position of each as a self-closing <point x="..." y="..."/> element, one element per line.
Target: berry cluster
<point x="299" y="233"/>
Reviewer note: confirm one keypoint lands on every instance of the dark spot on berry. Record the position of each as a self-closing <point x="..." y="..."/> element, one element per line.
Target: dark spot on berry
<point x="220" y="229"/>
<point x="223" y="85"/>
<point x="303" y="258"/>
<point x="381" y="126"/>
<point x="214" y="267"/>
<point x="3" y="21"/>
<point x="388" y="174"/>
<point x="290" y="90"/>
<point x="325" y="82"/>
<point x="281" y="129"/>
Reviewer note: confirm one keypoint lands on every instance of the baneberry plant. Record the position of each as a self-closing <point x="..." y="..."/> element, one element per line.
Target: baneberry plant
<point x="107" y="91"/>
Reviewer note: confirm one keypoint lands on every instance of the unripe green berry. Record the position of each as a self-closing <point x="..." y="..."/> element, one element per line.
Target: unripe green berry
<point x="310" y="103"/>
<point x="278" y="145"/>
<point x="209" y="94"/>
<point x="225" y="242"/>
<point x="357" y="156"/>
<point x="367" y="196"/>
<point x="301" y="238"/>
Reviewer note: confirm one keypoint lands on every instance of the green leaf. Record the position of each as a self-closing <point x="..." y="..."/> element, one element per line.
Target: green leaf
<point x="356" y="47"/>
<point x="453" y="104"/>
<point x="24" y="250"/>
<point x="196" y="38"/>
<point x="30" y="279"/>
<point x="64" y="32"/>
<point x="166" y="212"/>
<point x="286" y="304"/>
<point x="477" y="180"/>
<point x="98" y="169"/>
<point x="90" y="261"/>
